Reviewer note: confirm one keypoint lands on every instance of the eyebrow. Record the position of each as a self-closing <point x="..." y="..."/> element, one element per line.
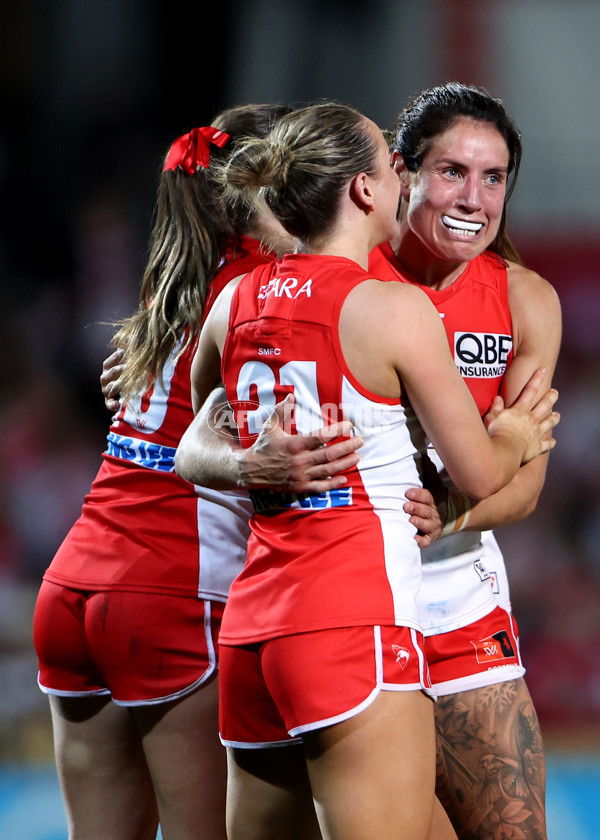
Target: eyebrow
<point x="460" y="165"/>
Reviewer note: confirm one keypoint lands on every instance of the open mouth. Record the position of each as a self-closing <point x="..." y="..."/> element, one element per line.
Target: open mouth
<point x="461" y="227"/>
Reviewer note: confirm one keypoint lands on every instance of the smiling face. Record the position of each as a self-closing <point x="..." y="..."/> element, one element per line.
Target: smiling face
<point x="456" y="198"/>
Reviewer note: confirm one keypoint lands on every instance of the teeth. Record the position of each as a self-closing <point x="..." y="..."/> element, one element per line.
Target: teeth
<point x="459" y="224"/>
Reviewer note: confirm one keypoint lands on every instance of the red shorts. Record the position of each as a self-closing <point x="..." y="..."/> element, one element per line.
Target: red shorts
<point x="482" y="653"/>
<point x="138" y="647"/>
<point x="293" y="684"/>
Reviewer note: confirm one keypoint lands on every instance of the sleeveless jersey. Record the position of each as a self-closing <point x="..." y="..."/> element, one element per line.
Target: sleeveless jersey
<point x="463" y="573"/>
<point x="348" y="556"/>
<point x="143" y="528"/>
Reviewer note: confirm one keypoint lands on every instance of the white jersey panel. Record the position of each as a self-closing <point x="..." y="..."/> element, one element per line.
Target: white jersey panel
<point x="388" y="460"/>
<point x="461" y="575"/>
<point x="223" y="518"/>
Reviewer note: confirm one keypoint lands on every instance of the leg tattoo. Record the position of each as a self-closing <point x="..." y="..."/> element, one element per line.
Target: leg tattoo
<point x="491" y="773"/>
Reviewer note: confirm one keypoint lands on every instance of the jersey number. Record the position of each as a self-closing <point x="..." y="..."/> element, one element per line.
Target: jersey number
<point x="301" y="376"/>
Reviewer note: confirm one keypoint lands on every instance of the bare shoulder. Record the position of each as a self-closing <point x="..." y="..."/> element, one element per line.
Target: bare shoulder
<point x="535" y="313"/>
<point x="223" y="301"/>
<point x="527" y="288"/>
<point x="384" y="305"/>
<point x="393" y="293"/>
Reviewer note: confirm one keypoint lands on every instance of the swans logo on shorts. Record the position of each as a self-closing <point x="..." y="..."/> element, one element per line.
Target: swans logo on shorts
<point x="496" y="646"/>
<point x="402" y="655"/>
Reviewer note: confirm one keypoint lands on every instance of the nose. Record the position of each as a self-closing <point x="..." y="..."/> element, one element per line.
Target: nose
<point x="470" y="196"/>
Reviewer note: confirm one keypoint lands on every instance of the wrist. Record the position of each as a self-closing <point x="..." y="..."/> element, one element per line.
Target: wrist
<point x="458" y="507"/>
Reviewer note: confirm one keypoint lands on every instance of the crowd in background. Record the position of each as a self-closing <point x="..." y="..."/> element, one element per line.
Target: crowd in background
<point x="76" y="149"/>
<point x="53" y="424"/>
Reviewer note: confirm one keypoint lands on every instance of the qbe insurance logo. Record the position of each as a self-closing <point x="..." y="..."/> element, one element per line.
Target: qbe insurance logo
<point x="481" y="355"/>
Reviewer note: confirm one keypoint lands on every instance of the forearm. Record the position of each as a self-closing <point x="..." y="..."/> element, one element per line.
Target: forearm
<point x="514" y="502"/>
<point x="208" y="457"/>
<point x="210" y="454"/>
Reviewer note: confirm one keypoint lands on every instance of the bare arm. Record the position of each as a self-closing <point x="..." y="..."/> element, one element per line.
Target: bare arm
<point x="210" y="454"/>
<point x="536" y="316"/>
<point x="293" y="462"/>
<point x="392" y="324"/>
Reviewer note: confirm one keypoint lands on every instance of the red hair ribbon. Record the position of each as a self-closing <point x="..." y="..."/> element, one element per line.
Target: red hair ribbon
<point x="192" y="150"/>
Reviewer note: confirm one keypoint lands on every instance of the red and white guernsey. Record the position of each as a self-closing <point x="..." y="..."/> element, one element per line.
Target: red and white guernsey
<point x="348" y="556"/>
<point x="464" y="575"/>
<point x="142" y="528"/>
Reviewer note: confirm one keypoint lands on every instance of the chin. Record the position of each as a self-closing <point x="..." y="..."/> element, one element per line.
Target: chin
<point x="463" y="251"/>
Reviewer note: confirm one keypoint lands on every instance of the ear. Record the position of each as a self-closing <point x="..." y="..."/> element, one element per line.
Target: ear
<point x="402" y="173"/>
<point x="361" y="191"/>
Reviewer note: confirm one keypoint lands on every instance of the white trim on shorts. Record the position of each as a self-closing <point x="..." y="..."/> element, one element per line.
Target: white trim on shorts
<point x="260" y="745"/>
<point x="296" y="733"/>
<point x="495" y="674"/>
<point x="57" y="692"/>
<point x="380" y="685"/>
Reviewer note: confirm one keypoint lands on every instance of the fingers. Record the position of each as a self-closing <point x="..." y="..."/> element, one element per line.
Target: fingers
<point x="311" y="467"/>
<point x="114" y="359"/>
<point x="494" y="410"/>
<point x="110" y="380"/>
<point x="425" y="517"/>
<point x="546" y="427"/>
<point x="110" y="375"/>
<point x="421" y="496"/>
<point x="325" y="470"/>
<point x="543" y="407"/>
<point x="282" y="414"/>
<point x="529" y="395"/>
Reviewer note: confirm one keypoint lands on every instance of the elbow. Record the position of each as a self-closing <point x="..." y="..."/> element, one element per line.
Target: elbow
<point x="482" y="485"/>
<point x="183" y="467"/>
<point x="527" y="507"/>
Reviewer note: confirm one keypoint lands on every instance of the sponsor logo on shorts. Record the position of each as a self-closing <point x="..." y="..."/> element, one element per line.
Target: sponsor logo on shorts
<point x="402" y="655"/>
<point x="496" y="646"/>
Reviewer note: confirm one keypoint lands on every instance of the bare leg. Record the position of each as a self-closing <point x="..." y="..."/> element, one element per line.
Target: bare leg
<point x="373" y="775"/>
<point x="106" y="786"/>
<point x="491" y="771"/>
<point x="187" y="763"/>
<point x="441" y="827"/>
<point x="268" y="795"/>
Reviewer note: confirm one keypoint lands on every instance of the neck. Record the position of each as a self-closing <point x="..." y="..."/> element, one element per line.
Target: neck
<point x="343" y="242"/>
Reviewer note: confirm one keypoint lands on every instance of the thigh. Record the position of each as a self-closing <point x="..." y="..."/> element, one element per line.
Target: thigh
<point x="106" y="786"/>
<point x="152" y="648"/>
<point x="269" y="795"/>
<point x="373" y="775"/>
<point x="490" y="762"/>
<point x="187" y="763"/>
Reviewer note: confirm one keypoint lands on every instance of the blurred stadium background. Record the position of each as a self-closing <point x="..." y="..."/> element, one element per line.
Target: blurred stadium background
<point x="92" y="93"/>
